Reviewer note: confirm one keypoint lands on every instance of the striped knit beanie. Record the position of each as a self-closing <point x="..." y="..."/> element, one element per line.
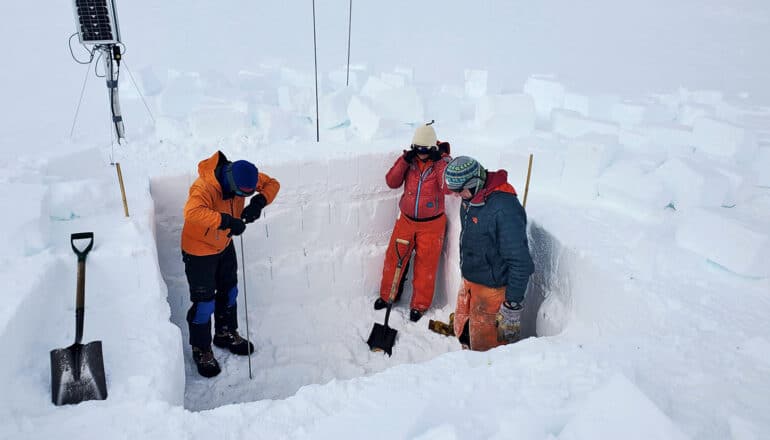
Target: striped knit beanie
<point x="464" y="172"/>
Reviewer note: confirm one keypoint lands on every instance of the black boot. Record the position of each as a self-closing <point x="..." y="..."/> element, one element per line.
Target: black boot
<point x="415" y="315"/>
<point x="205" y="361"/>
<point x="231" y="340"/>
<point x="380" y="304"/>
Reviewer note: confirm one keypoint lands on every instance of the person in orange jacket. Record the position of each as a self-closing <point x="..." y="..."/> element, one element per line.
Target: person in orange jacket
<point x="214" y="212"/>
<point x="421" y="220"/>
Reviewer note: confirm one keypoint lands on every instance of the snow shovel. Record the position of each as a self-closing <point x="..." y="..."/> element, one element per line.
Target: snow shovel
<point x="383" y="337"/>
<point x="77" y="372"/>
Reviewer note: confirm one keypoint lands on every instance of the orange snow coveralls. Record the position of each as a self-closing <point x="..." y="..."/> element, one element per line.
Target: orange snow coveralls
<point x="477" y="305"/>
<point x="201" y="234"/>
<point x="421" y="222"/>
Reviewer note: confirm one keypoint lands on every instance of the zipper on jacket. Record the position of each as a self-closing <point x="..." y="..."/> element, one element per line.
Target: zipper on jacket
<point x="419" y="188"/>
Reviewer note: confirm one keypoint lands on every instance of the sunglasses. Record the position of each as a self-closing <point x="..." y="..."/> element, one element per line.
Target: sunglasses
<point x="420" y="149"/>
<point x="244" y="192"/>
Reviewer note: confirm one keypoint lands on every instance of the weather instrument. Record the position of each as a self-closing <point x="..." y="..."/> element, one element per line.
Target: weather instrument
<point x="97" y="27"/>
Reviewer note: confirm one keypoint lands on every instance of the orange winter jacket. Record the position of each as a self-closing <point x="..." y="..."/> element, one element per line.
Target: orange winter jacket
<point x="201" y="234"/>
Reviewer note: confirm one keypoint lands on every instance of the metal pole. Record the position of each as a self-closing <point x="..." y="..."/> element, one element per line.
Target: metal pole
<point x="350" y="23"/>
<point x="112" y="89"/>
<point x="315" y="62"/>
<point x="246" y="305"/>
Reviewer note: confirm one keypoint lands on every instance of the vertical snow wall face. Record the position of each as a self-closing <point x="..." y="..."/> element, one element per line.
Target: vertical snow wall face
<point x="313" y="264"/>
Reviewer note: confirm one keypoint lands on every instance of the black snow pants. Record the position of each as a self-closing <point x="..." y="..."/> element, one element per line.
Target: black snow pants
<point x="213" y="281"/>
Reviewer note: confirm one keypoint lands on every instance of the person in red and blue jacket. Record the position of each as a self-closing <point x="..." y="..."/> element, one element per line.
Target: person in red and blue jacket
<point x="494" y="256"/>
<point x="421" y="220"/>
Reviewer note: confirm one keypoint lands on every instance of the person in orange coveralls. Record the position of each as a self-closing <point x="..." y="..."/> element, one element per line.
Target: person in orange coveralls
<point x="421" y="220"/>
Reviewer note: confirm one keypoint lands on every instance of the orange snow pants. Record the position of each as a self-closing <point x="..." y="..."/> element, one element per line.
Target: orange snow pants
<point x="478" y="305"/>
<point x="426" y="239"/>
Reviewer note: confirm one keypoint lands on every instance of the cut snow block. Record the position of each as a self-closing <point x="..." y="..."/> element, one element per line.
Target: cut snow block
<point x="445" y="109"/>
<point x="619" y="410"/>
<point x="660" y="113"/>
<point x="572" y="125"/>
<point x="403" y="105"/>
<point x="586" y="158"/>
<point x="333" y="109"/>
<point x="337" y="79"/>
<point x="275" y="124"/>
<point x="218" y="121"/>
<point x="394" y="80"/>
<point x="690" y="187"/>
<point x="296" y="100"/>
<point x="375" y="87"/>
<point x="506" y="116"/>
<point x="601" y="106"/>
<point x="727" y="242"/>
<point x="723" y="139"/>
<point x="628" y="114"/>
<point x="364" y="121"/>
<point x="632" y="191"/>
<point x="689" y="113"/>
<point x="547" y="93"/>
<point x="670" y="136"/>
<point x="636" y="140"/>
<point x="577" y="103"/>
<point x="475" y="83"/>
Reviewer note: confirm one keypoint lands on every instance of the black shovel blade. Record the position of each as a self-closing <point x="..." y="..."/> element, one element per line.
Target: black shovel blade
<point x="77" y="374"/>
<point x="382" y="338"/>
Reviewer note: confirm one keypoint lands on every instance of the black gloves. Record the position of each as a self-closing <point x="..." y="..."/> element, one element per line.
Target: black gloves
<point x="254" y="209"/>
<point x="235" y="225"/>
<point x="434" y="155"/>
<point x="443" y="147"/>
<point x="409" y="155"/>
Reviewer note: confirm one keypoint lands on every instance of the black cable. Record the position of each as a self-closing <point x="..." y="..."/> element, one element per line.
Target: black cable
<point x="72" y="53"/>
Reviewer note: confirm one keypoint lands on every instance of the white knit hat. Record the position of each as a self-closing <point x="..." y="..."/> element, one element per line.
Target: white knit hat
<point x="425" y="136"/>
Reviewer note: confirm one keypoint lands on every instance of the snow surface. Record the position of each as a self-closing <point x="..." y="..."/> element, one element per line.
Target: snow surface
<point x="649" y="208"/>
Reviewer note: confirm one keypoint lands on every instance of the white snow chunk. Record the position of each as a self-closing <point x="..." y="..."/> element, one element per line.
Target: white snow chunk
<point x="547" y="93"/>
<point x="721" y="138"/>
<point x="572" y="125"/>
<point x="586" y="158"/>
<point x="506" y="116"/>
<point x="218" y="121"/>
<point x="577" y="103"/>
<point x="692" y="187"/>
<point x="475" y="83"/>
<point x="363" y="119"/>
<point x="628" y="114"/>
<point x="725" y="241"/>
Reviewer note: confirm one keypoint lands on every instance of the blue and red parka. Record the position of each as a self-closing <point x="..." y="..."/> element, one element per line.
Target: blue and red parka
<point x="424" y="186"/>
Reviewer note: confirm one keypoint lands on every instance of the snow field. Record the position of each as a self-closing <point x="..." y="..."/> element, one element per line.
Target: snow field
<point x="664" y="175"/>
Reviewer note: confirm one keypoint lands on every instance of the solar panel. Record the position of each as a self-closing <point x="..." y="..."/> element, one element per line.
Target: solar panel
<point x="97" y="21"/>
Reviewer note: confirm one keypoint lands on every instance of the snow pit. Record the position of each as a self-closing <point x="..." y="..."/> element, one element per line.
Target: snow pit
<point x="313" y="264"/>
